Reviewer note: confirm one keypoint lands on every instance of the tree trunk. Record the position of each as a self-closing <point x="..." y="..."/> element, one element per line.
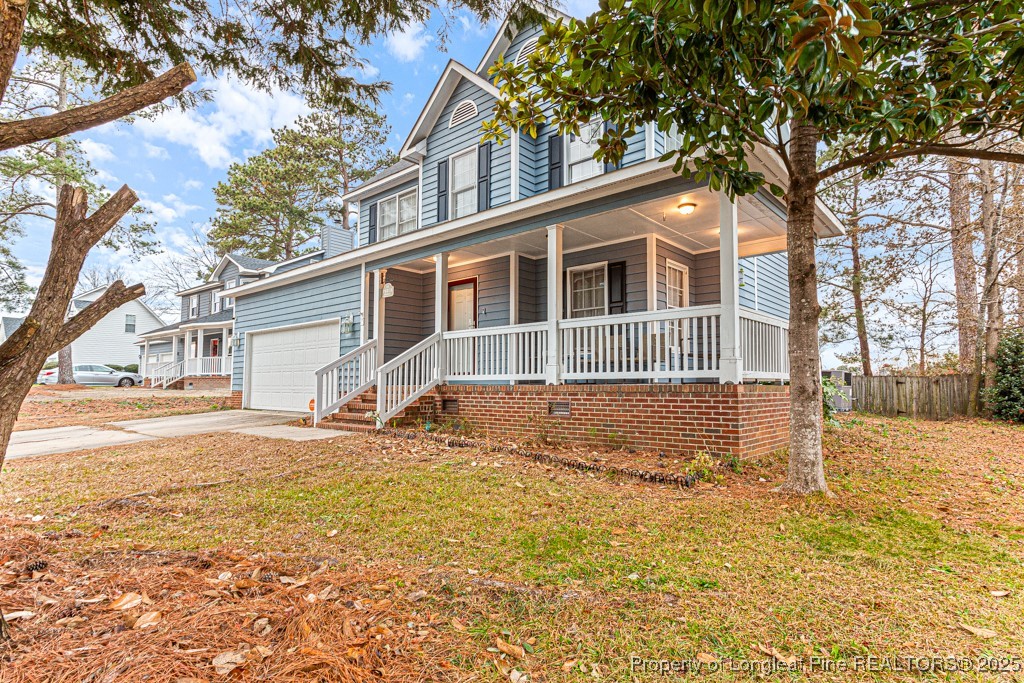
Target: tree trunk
<point x="857" y="288"/>
<point x="965" y="270"/>
<point x="65" y="358"/>
<point x="806" y="473"/>
<point x="988" y="333"/>
<point x="65" y="366"/>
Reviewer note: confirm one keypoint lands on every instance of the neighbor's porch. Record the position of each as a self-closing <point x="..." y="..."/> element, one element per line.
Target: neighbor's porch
<point x="195" y="350"/>
<point x="642" y="294"/>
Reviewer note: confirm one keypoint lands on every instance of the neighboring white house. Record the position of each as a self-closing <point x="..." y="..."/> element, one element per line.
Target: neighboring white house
<point x="112" y="339"/>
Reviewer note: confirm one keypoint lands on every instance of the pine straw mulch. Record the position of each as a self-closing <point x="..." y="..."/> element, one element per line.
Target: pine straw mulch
<point x="134" y="615"/>
<point x="41" y="414"/>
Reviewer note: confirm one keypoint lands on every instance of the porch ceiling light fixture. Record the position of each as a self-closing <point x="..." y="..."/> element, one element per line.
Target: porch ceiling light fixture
<point x="686" y="208"/>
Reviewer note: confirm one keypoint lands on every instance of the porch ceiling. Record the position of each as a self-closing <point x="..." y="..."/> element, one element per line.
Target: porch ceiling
<point x="761" y="230"/>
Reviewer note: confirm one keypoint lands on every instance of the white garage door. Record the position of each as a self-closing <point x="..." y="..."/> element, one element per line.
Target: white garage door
<point x="282" y="363"/>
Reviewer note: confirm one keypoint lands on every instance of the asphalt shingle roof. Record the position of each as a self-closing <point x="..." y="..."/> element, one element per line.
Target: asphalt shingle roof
<point x="391" y="170"/>
<point x="250" y="263"/>
<point x="10" y="325"/>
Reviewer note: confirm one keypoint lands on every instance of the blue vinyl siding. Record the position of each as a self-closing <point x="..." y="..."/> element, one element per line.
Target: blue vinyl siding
<point x="669" y="252"/>
<point x="636" y="148"/>
<point x="444" y="141"/>
<point x="366" y="202"/>
<point x="531" y="286"/>
<point x="634" y="253"/>
<point x="205" y="302"/>
<point x="409" y="314"/>
<point x="334" y="295"/>
<point x="765" y="283"/>
<point x="229" y="273"/>
<point x="525" y="33"/>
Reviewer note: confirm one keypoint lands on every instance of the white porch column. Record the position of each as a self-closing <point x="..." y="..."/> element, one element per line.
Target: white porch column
<point x="145" y="359"/>
<point x="378" y="313"/>
<point x="552" y="367"/>
<point x="441" y="311"/>
<point x="731" y="361"/>
<point x="199" y="351"/>
<point x="364" y="333"/>
<point x="225" y="368"/>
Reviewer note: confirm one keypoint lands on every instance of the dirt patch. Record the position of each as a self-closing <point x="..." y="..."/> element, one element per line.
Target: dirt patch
<point x="55" y="389"/>
<point x="40" y="414"/>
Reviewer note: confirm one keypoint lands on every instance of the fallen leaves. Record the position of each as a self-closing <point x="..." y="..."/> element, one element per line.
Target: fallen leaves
<point x="21" y="614"/>
<point x="978" y="631"/>
<point x="511" y="650"/>
<point x="126" y="601"/>
<point x="148" y="620"/>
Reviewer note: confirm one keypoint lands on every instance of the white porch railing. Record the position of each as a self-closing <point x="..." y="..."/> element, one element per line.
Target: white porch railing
<point x="764" y="345"/>
<point x="408" y="376"/>
<point x="342" y="380"/>
<point x="171" y="373"/>
<point x="512" y="352"/>
<point x="154" y="369"/>
<point x="677" y="343"/>
<point x="208" y="366"/>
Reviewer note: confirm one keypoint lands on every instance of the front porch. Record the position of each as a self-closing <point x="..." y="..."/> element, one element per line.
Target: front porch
<point x="200" y="357"/>
<point x="642" y="295"/>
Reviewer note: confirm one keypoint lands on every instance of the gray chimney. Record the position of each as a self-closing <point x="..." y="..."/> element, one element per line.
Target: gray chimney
<point x="334" y="239"/>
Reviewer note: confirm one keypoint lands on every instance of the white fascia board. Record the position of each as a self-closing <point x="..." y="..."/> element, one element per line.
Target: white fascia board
<point x="383" y="184"/>
<point x="453" y="71"/>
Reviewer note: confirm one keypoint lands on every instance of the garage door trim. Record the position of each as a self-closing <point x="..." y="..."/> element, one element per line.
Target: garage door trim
<point x="247" y="367"/>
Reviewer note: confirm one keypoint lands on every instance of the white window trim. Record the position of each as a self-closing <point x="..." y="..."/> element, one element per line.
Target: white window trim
<point x="397" y="199"/>
<point x="135" y="323"/>
<point x="568" y="285"/>
<point x="567" y="164"/>
<point x="193" y="305"/>
<point x="451" y="181"/>
<point x="670" y="264"/>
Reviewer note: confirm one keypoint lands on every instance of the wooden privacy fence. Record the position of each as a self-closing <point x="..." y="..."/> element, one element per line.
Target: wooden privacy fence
<point x="931" y="398"/>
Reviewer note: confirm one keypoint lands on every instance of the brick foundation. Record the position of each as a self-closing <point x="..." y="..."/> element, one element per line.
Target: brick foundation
<point x="201" y="383"/>
<point x="746" y="421"/>
<point x="234" y="400"/>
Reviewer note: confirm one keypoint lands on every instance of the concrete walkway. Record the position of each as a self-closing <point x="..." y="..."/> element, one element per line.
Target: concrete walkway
<point x="267" y="424"/>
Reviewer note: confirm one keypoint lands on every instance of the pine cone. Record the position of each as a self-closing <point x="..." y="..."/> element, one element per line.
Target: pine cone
<point x="36" y="566"/>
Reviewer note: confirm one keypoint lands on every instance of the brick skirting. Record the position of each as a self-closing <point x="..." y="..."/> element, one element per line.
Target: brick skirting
<point x="235" y="400"/>
<point x="201" y="383"/>
<point x="746" y="421"/>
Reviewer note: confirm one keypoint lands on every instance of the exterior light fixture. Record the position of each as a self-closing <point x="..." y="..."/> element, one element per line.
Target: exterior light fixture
<point x="347" y="324"/>
<point x="686" y="208"/>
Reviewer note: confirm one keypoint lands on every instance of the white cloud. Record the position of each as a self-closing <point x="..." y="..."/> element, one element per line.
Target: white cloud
<point x="408" y="44"/>
<point x="238" y="115"/>
<point x="170" y="209"/>
<point x="192" y="184"/>
<point x="155" y="151"/>
<point x="96" y="151"/>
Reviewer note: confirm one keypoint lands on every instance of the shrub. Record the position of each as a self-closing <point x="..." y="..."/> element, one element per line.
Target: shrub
<point x="1007" y="396"/>
<point x="50" y="365"/>
<point x="117" y="368"/>
<point x="829" y="391"/>
<point x="134" y="367"/>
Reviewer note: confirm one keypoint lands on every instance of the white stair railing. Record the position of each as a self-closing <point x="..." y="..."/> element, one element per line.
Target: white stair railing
<point x="764" y="345"/>
<point x="676" y="343"/>
<point x="343" y="379"/>
<point x="510" y="353"/>
<point x="170" y="375"/>
<point x="155" y="369"/>
<point x="401" y="381"/>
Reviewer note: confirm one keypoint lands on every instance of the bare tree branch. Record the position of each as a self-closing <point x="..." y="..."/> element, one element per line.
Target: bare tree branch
<point x="116" y="295"/>
<point x="27" y="131"/>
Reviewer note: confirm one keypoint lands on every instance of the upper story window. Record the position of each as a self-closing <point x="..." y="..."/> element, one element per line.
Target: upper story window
<point x="463" y="183"/>
<point x="673" y="139"/>
<point x="129" y="323"/>
<point x="215" y="304"/>
<point x="396" y="215"/>
<point x="464" y="111"/>
<point x="580" y="152"/>
<point x="193" y="306"/>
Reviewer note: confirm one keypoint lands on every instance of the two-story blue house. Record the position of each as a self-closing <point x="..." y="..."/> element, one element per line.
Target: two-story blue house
<point x="527" y="286"/>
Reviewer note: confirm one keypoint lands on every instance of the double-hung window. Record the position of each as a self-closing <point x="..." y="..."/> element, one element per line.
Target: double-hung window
<point x="463" y="183"/>
<point x="396" y="215"/>
<point x="581" y="150"/>
<point x="677" y="285"/>
<point x="129" y="323"/>
<point x="193" y="306"/>
<point x="588" y="291"/>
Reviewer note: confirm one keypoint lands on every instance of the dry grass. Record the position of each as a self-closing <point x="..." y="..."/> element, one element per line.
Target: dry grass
<point x="927" y="521"/>
<point x="40" y="414"/>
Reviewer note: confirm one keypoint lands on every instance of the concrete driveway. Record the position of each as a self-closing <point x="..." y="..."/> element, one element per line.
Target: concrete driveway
<point x="68" y="439"/>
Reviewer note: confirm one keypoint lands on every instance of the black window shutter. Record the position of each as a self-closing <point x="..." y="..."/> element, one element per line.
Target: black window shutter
<point x="371" y="232"/>
<point x="555" y="153"/>
<point x="609" y="167"/>
<point x="617" y="288"/>
<point x="483" y="177"/>
<point x="442" y="191"/>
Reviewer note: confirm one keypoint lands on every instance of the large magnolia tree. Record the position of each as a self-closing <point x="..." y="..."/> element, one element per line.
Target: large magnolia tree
<point x="888" y="78"/>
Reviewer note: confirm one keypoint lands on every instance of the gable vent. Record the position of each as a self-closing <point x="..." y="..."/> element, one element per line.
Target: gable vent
<point x="528" y="48"/>
<point x="465" y="111"/>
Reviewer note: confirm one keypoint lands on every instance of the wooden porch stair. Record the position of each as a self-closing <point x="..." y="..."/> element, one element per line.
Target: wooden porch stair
<point x="353" y="415"/>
